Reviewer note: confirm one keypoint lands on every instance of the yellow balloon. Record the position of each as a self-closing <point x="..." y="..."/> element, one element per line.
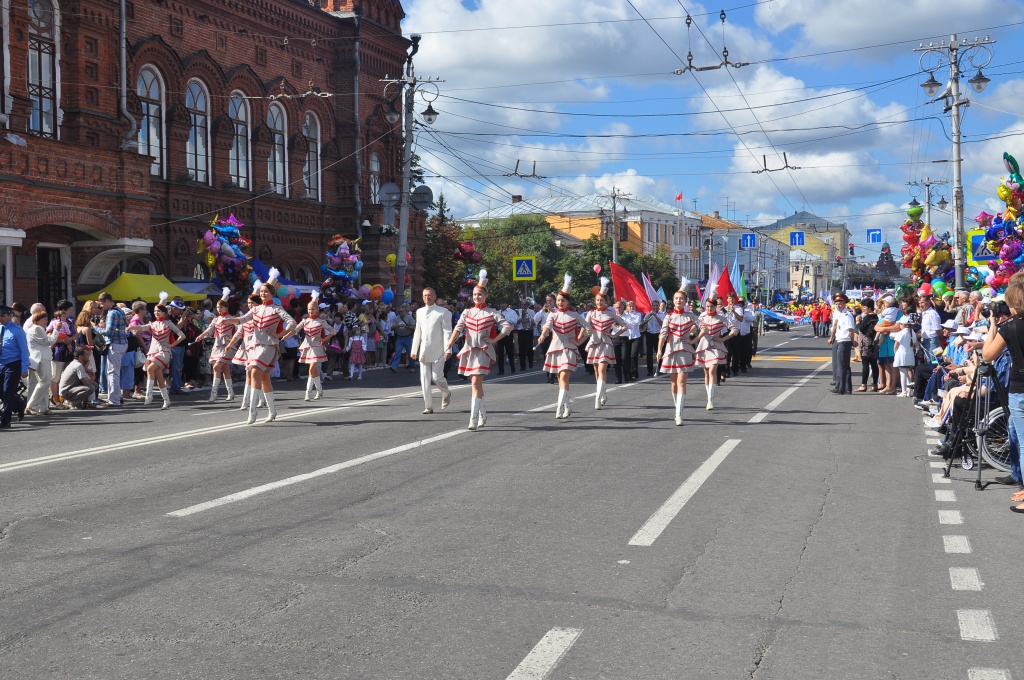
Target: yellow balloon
<point x="391" y="260"/>
<point x="1004" y="193"/>
<point x="210" y="259"/>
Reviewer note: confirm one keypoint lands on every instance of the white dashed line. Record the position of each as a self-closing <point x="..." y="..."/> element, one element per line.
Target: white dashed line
<point x="956" y="545"/>
<point x="939" y="479"/>
<point x="757" y="418"/>
<point x="945" y="495"/>
<point x="543" y="658"/>
<point x="965" y="578"/>
<point x="988" y="674"/>
<point x="950" y="517"/>
<point x="977" y="625"/>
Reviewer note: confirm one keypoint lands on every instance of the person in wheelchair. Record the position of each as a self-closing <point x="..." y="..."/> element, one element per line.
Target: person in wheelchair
<point x="956" y="413"/>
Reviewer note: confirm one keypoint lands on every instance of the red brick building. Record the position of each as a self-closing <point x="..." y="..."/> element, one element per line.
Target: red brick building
<point x="216" y="114"/>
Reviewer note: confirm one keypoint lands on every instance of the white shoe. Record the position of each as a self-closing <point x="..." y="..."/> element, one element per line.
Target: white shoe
<point x="603" y="399"/>
<point x="427" y="411"/>
<point x="566" y="411"/>
<point x="147" y="401"/>
<point x="932" y="423"/>
<point x="243" y="407"/>
<point x="597" y="404"/>
<point x="679" y="420"/>
<point x="307" y="398"/>
<point x="230" y="397"/>
<point x="481" y="420"/>
<point x="446" y="399"/>
<point x="165" y="406"/>
<point x="270" y="418"/>
<point x="213" y="398"/>
<point x="316" y="397"/>
<point x="710" y="406"/>
<point x="251" y="419"/>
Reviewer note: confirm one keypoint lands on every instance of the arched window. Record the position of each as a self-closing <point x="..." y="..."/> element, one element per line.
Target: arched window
<point x="277" y="167"/>
<point x="311" y="165"/>
<point x="197" y="148"/>
<point x="238" y="112"/>
<point x="374" y="179"/>
<point x="151" y="130"/>
<point x="43" y="58"/>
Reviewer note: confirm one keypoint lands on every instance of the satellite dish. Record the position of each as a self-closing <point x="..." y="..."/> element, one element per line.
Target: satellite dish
<point x="422" y="197"/>
<point x="390" y="194"/>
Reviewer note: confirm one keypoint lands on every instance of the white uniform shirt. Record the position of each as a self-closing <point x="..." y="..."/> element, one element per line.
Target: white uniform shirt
<point x="844" y="325"/>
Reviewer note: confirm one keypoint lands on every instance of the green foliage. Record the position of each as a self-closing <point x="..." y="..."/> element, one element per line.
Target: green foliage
<point x="441" y="271"/>
<point x="501" y="240"/>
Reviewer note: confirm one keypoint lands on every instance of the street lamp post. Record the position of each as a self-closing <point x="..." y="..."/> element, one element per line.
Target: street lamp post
<point x="978" y="55"/>
<point x="411" y="85"/>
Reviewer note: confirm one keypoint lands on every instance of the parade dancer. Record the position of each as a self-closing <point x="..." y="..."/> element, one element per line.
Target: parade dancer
<point x="433" y="325"/>
<point x="675" y="349"/>
<point x="272" y="324"/>
<point x="711" y="350"/>
<point x="477" y="356"/>
<point x="312" y="351"/>
<point x="567" y="330"/>
<point x="601" y="351"/>
<point x="222" y="353"/>
<point x="158" y="358"/>
<point x="241" y="342"/>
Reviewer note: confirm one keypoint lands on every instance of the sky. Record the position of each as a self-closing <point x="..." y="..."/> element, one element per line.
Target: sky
<point x="589" y="90"/>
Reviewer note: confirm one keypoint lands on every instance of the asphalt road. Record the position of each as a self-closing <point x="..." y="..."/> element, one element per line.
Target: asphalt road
<point x="790" y="533"/>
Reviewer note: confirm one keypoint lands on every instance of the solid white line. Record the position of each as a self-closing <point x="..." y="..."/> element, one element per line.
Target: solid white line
<point x="988" y="674"/>
<point x="936" y="464"/>
<point x="939" y="479"/>
<point x="786" y="394"/>
<point x="945" y="495"/>
<point x="255" y="491"/>
<point x="950" y="517"/>
<point x="965" y="578"/>
<point x="653" y="527"/>
<point x="977" y="625"/>
<point x="229" y="412"/>
<point x="543" y="658"/>
<point x="956" y="545"/>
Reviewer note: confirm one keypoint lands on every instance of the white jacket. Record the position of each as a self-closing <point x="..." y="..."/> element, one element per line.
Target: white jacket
<point x="433" y="327"/>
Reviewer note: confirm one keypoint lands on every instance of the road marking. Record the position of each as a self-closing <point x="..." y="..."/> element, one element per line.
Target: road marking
<point x="792" y="358"/>
<point x="988" y="674"/>
<point x="786" y="394"/>
<point x="977" y="625"/>
<point x="939" y="479"/>
<point x="945" y="495"/>
<point x="937" y="464"/>
<point x="653" y="527"/>
<point x="956" y="545"/>
<point x="932" y="440"/>
<point x="950" y="517"/>
<point x="177" y="436"/>
<point x="543" y="658"/>
<point x="255" y="491"/>
<point x="330" y="469"/>
<point x="965" y="578"/>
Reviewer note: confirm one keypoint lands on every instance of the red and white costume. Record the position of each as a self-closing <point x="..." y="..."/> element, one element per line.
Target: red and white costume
<point x="711" y="350"/>
<point x="563" y="353"/>
<point x="269" y="322"/>
<point x="160" y="342"/>
<point x="245" y="330"/>
<point x="600" y="350"/>
<point x="479" y="325"/>
<point x="223" y="332"/>
<point x="312" y="349"/>
<point x="677" y="353"/>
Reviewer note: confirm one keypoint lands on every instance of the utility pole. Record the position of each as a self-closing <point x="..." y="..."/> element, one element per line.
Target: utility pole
<point x="615" y="196"/>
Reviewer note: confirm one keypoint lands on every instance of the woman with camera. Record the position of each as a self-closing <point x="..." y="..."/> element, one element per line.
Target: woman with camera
<point x="1010" y="335"/>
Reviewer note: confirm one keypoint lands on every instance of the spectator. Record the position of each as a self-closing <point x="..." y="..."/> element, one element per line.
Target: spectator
<point x="40" y="351"/>
<point x="114" y="329"/>
<point x="76" y="382"/>
<point x="14" y="362"/>
<point x="403" y="326"/>
<point x="64" y="349"/>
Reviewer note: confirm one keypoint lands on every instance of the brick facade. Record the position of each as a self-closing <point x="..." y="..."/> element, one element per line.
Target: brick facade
<point x="75" y="209"/>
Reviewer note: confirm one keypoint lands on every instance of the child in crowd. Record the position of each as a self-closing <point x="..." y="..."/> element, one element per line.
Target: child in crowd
<point x="356" y="358"/>
<point x="903" y="358"/>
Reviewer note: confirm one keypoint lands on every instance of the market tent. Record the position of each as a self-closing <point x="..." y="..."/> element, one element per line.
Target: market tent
<point x="147" y="287"/>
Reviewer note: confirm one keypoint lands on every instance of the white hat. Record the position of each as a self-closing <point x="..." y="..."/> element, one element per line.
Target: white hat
<point x="962" y="330"/>
<point x="604" y="285"/>
<point x="566" y="284"/>
<point x="977" y="337"/>
<point x="904" y="320"/>
<point x="950" y="325"/>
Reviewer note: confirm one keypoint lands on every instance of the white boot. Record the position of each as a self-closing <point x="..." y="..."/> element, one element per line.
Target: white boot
<point x="254" y="395"/>
<point x="473" y="407"/>
<point x="309" y="388"/>
<point x="599" y="395"/>
<point x="213" y="389"/>
<point x="319" y="387"/>
<point x="272" y="416"/>
<point x="558" y="405"/>
<point x="680" y="400"/>
<point x="481" y="415"/>
<point x="149" y="392"/>
<point x="167" y="399"/>
<point x="711" y="397"/>
<point x="231" y="389"/>
<point x="246" y="392"/>
<point x="261" y="398"/>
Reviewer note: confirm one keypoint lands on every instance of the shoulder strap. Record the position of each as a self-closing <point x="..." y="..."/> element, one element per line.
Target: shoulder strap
<point x="1013" y="343"/>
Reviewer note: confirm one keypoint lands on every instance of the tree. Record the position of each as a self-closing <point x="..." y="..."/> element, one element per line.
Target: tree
<point x="441" y="271"/>
<point x="499" y="241"/>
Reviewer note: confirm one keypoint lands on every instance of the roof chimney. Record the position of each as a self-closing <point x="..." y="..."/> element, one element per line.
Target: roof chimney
<point x="517" y="198"/>
<point x="716" y="215"/>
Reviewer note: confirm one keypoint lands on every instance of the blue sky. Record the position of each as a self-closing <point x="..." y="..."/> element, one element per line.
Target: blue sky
<point x="586" y="89"/>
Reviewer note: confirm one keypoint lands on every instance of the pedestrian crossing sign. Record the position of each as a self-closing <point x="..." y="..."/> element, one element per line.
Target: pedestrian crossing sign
<point x="524" y="268"/>
<point x="977" y="249"/>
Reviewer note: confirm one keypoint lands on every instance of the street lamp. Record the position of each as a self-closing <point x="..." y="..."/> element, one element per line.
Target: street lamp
<point x="978" y="54"/>
<point x="411" y="85"/>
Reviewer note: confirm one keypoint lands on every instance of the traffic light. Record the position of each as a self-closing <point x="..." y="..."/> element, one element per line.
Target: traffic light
<point x="839" y="259"/>
<point x="851" y="250"/>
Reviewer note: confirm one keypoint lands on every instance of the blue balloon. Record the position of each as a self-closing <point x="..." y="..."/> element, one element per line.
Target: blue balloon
<point x="387" y="297"/>
<point x="359" y="265"/>
<point x="277" y="301"/>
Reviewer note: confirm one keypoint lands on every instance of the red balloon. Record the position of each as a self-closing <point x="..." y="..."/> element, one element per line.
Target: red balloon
<point x="476" y="257"/>
<point x="408" y="258"/>
<point x="327" y="283"/>
<point x="595" y="290"/>
<point x="467" y="247"/>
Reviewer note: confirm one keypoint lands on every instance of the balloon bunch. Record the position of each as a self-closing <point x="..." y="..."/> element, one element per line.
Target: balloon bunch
<point x="928" y="257"/>
<point x="283" y="293"/>
<point x="468" y="253"/>
<point x="344" y="262"/>
<point x="1003" y="236"/>
<point x="223" y="244"/>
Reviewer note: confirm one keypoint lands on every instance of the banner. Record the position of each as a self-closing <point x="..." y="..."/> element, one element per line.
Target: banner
<point x="652" y="294"/>
<point x="628" y="288"/>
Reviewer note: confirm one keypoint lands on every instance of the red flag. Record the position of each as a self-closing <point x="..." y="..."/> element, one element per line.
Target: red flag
<point x="725" y="285"/>
<point x="628" y="288"/>
<point x="679" y="197"/>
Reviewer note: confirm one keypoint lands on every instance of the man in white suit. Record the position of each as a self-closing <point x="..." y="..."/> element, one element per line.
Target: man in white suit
<point x="433" y="327"/>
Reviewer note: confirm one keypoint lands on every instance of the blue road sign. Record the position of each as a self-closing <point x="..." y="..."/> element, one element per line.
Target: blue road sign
<point x="796" y="238"/>
<point x="748" y="241"/>
<point x="874" y="236"/>
<point x="524" y="269"/>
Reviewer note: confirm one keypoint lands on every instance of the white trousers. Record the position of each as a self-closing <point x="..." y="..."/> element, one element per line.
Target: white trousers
<point x="432" y="371"/>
